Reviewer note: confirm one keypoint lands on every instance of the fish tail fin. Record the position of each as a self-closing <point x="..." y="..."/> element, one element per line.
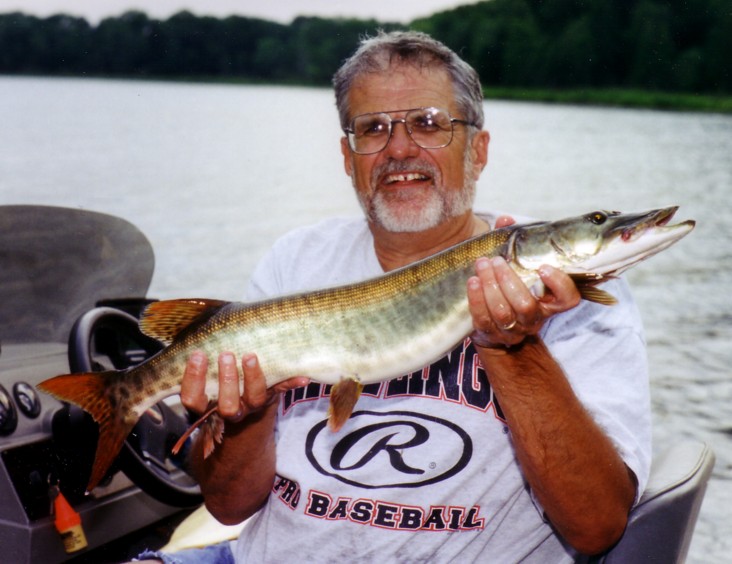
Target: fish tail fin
<point x="343" y="398"/>
<point x="89" y="392"/>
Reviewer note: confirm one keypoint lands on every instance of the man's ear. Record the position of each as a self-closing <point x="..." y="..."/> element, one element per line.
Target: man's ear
<point x="479" y="146"/>
<point x="347" y="157"/>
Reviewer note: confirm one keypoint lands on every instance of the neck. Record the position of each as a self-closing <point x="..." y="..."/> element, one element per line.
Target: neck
<point x="395" y="250"/>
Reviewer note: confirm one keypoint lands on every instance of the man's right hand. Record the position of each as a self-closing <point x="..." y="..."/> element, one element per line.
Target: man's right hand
<point x="237" y="477"/>
<point x="233" y="404"/>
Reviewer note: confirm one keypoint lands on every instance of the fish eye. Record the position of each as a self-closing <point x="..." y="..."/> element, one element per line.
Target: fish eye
<point x="598" y="217"/>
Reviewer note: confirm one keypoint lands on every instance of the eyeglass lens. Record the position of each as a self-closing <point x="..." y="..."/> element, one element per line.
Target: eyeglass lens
<point x="430" y="128"/>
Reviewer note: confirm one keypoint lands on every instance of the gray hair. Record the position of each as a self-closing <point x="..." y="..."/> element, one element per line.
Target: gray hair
<point x="376" y="54"/>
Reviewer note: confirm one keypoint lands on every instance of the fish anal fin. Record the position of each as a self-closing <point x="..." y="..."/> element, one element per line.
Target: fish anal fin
<point x="343" y="398"/>
<point x="213" y="434"/>
<point x="163" y="320"/>
<point x="212" y="429"/>
<point x="88" y="391"/>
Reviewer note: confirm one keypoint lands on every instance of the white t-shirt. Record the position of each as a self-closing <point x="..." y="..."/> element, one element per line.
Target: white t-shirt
<point x="424" y="470"/>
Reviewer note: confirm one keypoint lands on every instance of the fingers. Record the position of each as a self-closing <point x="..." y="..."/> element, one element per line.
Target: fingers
<point x="193" y="386"/>
<point x="503" y="309"/>
<point x="229" y="387"/>
<point x="256" y="395"/>
<point x="563" y="293"/>
<point x="291" y="384"/>
<point x="504" y="221"/>
<point x="233" y="403"/>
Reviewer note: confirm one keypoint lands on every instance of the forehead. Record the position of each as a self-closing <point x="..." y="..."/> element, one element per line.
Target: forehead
<point x="401" y="87"/>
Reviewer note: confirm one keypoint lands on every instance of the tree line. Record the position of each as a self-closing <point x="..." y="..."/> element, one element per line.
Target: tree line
<point x="675" y="45"/>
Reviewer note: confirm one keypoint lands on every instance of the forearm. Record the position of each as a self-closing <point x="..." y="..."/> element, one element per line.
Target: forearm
<point x="571" y="465"/>
<point x="237" y="477"/>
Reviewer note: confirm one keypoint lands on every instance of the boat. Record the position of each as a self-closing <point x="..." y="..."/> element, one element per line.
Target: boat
<point x="73" y="285"/>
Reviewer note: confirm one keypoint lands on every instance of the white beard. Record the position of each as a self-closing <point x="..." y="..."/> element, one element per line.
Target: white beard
<point x="402" y="215"/>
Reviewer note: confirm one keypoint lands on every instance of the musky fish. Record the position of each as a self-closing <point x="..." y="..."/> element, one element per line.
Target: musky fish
<point x="360" y="333"/>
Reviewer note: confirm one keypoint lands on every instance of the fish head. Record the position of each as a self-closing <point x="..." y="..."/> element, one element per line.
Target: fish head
<point x="600" y="244"/>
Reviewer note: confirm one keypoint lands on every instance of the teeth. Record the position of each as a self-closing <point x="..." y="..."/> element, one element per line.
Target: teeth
<point x="405" y="177"/>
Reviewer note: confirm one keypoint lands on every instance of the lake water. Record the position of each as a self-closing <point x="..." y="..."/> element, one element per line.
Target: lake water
<point x="214" y="173"/>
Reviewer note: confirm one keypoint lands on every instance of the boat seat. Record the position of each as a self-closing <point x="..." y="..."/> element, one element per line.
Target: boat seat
<point x="660" y="527"/>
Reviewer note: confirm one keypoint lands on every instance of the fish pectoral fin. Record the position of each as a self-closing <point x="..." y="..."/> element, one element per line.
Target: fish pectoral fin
<point x="596" y="295"/>
<point x="343" y="398"/>
<point x="587" y="287"/>
<point x="163" y="320"/>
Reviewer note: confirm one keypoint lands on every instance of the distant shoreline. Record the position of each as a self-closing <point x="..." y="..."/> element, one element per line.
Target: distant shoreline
<point x="608" y="97"/>
<point x="621" y="98"/>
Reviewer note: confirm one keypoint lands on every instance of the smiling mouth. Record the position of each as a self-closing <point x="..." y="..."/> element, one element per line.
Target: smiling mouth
<point x="405" y="177"/>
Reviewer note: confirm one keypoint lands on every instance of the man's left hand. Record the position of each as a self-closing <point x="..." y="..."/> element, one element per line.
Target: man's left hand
<point x="504" y="310"/>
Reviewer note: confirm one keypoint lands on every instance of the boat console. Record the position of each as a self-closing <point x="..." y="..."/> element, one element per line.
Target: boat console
<point x="56" y="266"/>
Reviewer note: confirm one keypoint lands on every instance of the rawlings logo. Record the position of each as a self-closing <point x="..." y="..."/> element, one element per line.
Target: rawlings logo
<point x="394" y="449"/>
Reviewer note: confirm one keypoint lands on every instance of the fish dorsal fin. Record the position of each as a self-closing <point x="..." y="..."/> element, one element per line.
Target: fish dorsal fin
<point x="165" y="319"/>
<point x="586" y="284"/>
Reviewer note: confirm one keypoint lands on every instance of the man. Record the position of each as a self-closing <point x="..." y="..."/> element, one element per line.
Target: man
<point x="528" y="442"/>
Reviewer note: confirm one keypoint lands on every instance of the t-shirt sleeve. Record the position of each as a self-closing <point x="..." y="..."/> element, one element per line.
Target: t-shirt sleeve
<point x="263" y="282"/>
<point x="603" y="353"/>
<point x="330" y="253"/>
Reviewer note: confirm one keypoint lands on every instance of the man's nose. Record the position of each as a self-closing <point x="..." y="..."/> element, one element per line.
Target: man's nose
<point x="401" y="145"/>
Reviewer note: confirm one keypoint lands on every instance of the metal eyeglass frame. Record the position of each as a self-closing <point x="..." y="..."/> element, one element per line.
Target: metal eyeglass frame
<point x="350" y="132"/>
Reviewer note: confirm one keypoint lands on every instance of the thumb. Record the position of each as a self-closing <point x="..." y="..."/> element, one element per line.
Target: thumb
<point x="504" y="221"/>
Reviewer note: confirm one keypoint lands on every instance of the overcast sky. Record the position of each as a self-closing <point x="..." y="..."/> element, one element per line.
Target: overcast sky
<point x="283" y="11"/>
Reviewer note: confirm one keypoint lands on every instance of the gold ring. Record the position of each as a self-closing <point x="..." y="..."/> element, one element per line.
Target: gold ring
<point x="510" y="326"/>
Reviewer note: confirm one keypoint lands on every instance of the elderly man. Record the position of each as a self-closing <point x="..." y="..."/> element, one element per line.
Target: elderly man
<point x="530" y="441"/>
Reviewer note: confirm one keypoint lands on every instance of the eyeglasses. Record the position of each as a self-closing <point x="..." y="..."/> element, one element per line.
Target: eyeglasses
<point x="429" y="128"/>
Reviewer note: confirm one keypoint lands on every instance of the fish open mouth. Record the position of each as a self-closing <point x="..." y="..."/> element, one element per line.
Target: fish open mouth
<point x="639" y="238"/>
<point x="665" y="215"/>
<point x="655" y="220"/>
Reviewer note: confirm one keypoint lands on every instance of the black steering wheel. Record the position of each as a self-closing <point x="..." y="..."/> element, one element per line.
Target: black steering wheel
<point x="106" y="338"/>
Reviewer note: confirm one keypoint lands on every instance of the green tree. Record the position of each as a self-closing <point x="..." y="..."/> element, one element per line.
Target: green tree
<point x="606" y="21"/>
<point x="570" y="58"/>
<point x="522" y="51"/>
<point x="321" y="44"/>
<point x="273" y="58"/>
<point x="658" y="44"/>
<point x="554" y="15"/>
<point x="499" y="38"/>
<point x="194" y="43"/>
<point x="66" y="44"/>
<point x="255" y="48"/>
<point x="652" y="47"/>
<point x="122" y="44"/>
<point x="716" y="50"/>
<point x="21" y="41"/>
